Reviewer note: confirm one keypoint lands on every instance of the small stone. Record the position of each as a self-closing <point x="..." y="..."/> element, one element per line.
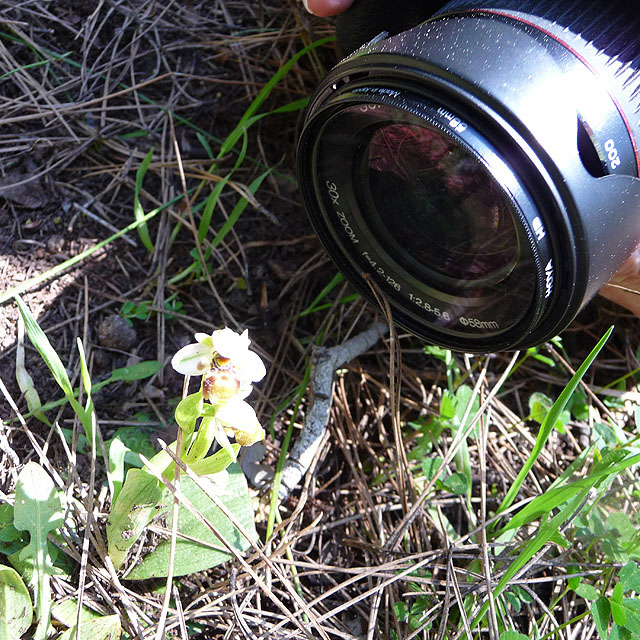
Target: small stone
<point x="115" y="333"/>
<point x="55" y="244"/>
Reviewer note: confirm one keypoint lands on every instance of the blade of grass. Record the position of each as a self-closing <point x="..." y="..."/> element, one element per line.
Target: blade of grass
<point x="549" y="421"/>
<point x="212" y="200"/>
<point x="572" y="505"/>
<point x="335" y="281"/>
<point x="238" y="209"/>
<point x="138" y="212"/>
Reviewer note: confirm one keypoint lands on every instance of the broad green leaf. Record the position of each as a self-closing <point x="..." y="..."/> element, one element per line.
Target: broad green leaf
<point x="456" y="483"/>
<point x="93" y="626"/>
<point x="137" y="504"/>
<point x="513" y="635"/>
<point x="100" y="628"/>
<point x="631" y="608"/>
<point x="587" y="591"/>
<point x="621" y="524"/>
<point x="401" y="610"/>
<point x="16" y="610"/>
<point x="430" y="466"/>
<point x="38" y="510"/>
<point x="621" y="633"/>
<point x="630" y="577"/>
<point x="192" y="556"/>
<point x="138" y="371"/>
<point x="138" y="211"/>
<point x="11" y="540"/>
<point x="540" y="405"/>
<point x="618" y="613"/>
<point x="601" y="612"/>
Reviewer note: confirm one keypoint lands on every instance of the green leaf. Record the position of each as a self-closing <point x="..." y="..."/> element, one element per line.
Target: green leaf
<point x="618" y="613"/>
<point x="25" y="381"/>
<point x="631" y="608"/>
<point x="620" y="633"/>
<point x="16" y="610"/>
<point x="238" y="210"/>
<point x="587" y="591"/>
<point x="456" y="483"/>
<point x="539" y="406"/>
<point x="46" y="351"/>
<point x="117" y="452"/>
<point x="335" y="281"/>
<point x="138" y="211"/>
<point x="93" y="626"/>
<point x="38" y="510"/>
<point x="188" y="411"/>
<point x="513" y="635"/>
<point x="401" y="610"/>
<point x="100" y="628"/>
<point x="630" y="577"/>
<point x="132" y="512"/>
<point x="215" y="463"/>
<point x="601" y="611"/>
<point x="549" y="422"/>
<point x="138" y="371"/>
<point x="192" y="556"/>
<point x="430" y="466"/>
<point x="11" y="540"/>
<point x="621" y="524"/>
<point x="552" y="498"/>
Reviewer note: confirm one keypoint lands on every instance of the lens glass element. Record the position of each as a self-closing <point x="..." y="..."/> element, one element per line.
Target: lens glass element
<point x="440" y="206"/>
<point x="423" y="204"/>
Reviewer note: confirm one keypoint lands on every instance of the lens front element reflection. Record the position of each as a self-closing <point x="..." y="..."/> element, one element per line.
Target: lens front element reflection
<point x="449" y="216"/>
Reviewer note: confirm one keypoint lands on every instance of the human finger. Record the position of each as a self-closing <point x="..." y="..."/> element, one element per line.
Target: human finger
<point x="624" y="287"/>
<point x="325" y="8"/>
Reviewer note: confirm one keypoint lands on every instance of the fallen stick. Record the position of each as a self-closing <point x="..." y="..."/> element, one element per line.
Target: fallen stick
<point x="324" y="362"/>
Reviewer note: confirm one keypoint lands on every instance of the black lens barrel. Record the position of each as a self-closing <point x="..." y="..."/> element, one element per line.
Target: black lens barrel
<point x="555" y="89"/>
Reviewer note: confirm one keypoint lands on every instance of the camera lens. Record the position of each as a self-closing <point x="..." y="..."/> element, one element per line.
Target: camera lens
<point x="452" y="221"/>
<point x="481" y="168"/>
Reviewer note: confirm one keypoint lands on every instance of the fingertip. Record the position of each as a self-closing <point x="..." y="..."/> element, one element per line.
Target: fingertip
<point x="326" y="8"/>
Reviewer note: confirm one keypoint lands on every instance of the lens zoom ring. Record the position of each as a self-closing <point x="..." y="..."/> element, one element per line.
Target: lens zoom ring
<point x="613" y="29"/>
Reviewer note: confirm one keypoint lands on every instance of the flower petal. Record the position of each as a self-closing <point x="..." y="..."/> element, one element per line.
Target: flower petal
<point x="247" y="438"/>
<point x="251" y="366"/>
<point x="230" y="344"/>
<point x="238" y="415"/>
<point x="204" y="338"/>
<point x="192" y="360"/>
<point x="223" y="441"/>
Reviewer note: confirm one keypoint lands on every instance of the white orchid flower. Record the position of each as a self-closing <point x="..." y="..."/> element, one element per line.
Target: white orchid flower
<point x="238" y="419"/>
<point x="226" y="363"/>
<point x="235" y="419"/>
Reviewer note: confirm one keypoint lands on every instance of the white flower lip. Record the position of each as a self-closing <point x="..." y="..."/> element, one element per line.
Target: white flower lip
<point x="196" y="359"/>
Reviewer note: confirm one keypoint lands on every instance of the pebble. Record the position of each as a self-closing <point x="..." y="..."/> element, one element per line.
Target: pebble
<point x="115" y="333"/>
